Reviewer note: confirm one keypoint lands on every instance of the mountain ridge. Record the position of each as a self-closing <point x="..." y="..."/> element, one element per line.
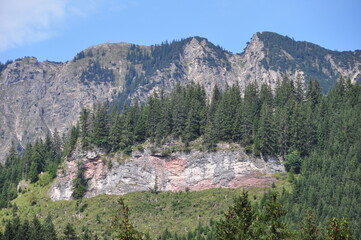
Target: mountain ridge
<point x="39" y="97"/>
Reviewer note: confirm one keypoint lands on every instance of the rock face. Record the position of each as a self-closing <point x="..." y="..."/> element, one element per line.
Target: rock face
<point x="37" y="97"/>
<point x="229" y="168"/>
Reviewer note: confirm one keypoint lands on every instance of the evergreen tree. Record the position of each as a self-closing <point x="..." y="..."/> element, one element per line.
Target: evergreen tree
<point x="84" y="132"/>
<point x="309" y="229"/>
<point x="339" y="230"/>
<point x="121" y="227"/>
<point x="226" y="113"/>
<point x="265" y="139"/>
<point x="273" y="217"/>
<point x="179" y="111"/>
<point x="80" y="184"/>
<point x="250" y="110"/>
<point x="101" y="126"/>
<point x="36" y="230"/>
<point x="49" y="229"/>
<point x="313" y="92"/>
<point x="115" y="130"/>
<point x="72" y="140"/>
<point x="237" y="222"/>
<point x="69" y="233"/>
<point x="164" y="125"/>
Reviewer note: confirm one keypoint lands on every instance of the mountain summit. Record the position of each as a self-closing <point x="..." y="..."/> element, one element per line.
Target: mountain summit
<point x="39" y="97"/>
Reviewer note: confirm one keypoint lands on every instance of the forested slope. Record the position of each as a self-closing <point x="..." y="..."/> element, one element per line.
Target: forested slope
<point x="318" y="136"/>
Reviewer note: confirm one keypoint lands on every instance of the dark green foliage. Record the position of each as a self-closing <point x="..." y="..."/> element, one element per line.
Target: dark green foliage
<point x="226" y="112"/>
<point x="121" y="227"/>
<point x="339" y="230"/>
<point x="328" y="183"/>
<point x="317" y="135"/>
<point x="72" y="140"/>
<point x="97" y="74"/>
<point x="237" y="223"/>
<point x="309" y="229"/>
<point x="101" y="126"/>
<point x="40" y="157"/>
<point x="4" y="65"/>
<point x="48" y="229"/>
<point x="79" y="56"/>
<point x="249" y="115"/>
<point x="80" y="184"/>
<point x="285" y="54"/>
<point x="145" y="63"/>
<point x="84" y="123"/>
<point x="69" y="233"/>
<point x="265" y="141"/>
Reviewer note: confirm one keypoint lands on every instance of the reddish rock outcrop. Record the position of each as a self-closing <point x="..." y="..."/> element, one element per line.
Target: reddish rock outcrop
<point x="179" y="171"/>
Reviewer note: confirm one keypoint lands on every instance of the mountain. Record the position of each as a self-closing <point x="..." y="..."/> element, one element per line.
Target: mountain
<point x="39" y="97"/>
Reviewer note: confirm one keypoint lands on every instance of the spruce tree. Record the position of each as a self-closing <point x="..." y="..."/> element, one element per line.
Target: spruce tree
<point x="80" y="184"/>
<point x="250" y="113"/>
<point x="101" y="126"/>
<point x="265" y="139"/>
<point x="49" y="229"/>
<point x="121" y="226"/>
<point x="69" y="233"/>
<point x="238" y="221"/>
<point x="84" y="131"/>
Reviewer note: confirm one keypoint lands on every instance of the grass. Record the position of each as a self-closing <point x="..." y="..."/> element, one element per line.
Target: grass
<point x="150" y="212"/>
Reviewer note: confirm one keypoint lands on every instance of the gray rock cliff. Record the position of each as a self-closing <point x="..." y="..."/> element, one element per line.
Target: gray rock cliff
<point x="38" y="97"/>
<point x="230" y="167"/>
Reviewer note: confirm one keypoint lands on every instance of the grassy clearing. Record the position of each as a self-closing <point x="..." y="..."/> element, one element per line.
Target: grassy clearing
<point x="150" y="212"/>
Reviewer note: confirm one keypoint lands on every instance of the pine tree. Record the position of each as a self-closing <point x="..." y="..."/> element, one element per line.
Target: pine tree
<point x="84" y="131"/>
<point x="165" y="119"/>
<point x="101" y="126"/>
<point x="71" y="141"/>
<point x="273" y="214"/>
<point x="298" y="136"/>
<point x="79" y="183"/>
<point x="210" y="136"/>
<point x="36" y="230"/>
<point x="121" y="227"/>
<point x="69" y="233"/>
<point x="250" y="110"/>
<point x="126" y="136"/>
<point x="115" y="130"/>
<point x="309" y="229"/>
<point x="49" y="229"/>
<point x="237" y="222"/>
<point x="339" y="230"/>
<point x="25" y="231"/>
<point x="179" y="111"/>
<point x="313" y="92"/>
<point x="265" y="139"/>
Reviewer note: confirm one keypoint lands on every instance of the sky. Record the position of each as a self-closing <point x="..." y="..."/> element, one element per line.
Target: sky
<point x="57" y="30"/>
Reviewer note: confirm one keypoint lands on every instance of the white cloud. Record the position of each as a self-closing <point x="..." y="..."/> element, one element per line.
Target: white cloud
<point x="26" y="21"/>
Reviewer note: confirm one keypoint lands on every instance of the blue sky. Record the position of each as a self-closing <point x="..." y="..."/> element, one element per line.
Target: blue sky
<point x="58" y="29"/>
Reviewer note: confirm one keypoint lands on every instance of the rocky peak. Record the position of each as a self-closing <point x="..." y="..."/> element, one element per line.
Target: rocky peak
<point x="37" y="97"/>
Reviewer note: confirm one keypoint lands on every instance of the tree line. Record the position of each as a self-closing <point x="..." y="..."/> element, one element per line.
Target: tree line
<point x="265" y="123"/>
<point x="318" y="135"/>
<point x="43" y="156"/>
<point x="243" y="220"/>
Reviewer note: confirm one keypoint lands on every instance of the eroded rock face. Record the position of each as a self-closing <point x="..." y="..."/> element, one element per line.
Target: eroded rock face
<point x="228" y="168"/>
<point x="37" y="97"/>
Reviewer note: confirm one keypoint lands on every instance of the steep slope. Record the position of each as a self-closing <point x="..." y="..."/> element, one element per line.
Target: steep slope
<point x="229" y="167"/>
<point x="38" y="97"/>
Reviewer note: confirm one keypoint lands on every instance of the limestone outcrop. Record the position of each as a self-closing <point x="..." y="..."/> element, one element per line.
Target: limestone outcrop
<point x="229" y="167"/>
